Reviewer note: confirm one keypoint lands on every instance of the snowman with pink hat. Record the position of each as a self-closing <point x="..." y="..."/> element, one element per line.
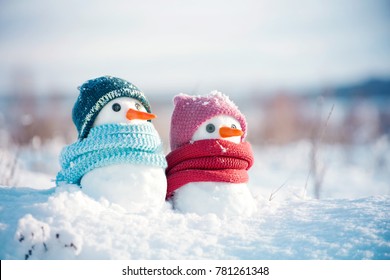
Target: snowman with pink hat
<point x="209" y="158"/>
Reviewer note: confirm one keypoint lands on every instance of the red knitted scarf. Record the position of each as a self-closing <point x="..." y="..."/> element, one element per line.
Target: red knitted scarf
<point x="208" y="161"/>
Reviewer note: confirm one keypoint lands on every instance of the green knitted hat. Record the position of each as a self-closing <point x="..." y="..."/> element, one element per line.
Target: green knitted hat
<point x="95" y="94"/>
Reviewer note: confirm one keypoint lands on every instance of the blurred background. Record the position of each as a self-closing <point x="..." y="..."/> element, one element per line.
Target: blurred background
<point x="305" y="70"/>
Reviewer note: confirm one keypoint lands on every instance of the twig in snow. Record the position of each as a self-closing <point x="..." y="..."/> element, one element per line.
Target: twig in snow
<point x="272" y="195"/>
<point x="9" y="166"/>
<point x="318" y="175"/>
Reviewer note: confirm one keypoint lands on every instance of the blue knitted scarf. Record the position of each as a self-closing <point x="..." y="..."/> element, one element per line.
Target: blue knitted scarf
<point x="111" y="144"/>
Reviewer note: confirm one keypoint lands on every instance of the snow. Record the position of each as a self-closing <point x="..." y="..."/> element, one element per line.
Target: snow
<point x="222" y="98"/>
<point x="215" y="94"/>
<point x="349" y="221"/>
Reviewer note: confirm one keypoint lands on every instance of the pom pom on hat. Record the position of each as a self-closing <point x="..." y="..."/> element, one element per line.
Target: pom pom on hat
<point x="95" y="94"/>
<point x="191" y="111"/>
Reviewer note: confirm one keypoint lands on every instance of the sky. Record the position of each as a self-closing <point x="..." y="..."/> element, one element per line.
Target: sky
<point x="194" y="46"/>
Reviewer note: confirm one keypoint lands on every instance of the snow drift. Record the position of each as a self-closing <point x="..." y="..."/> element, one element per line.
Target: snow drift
<point x="350" y="221"/>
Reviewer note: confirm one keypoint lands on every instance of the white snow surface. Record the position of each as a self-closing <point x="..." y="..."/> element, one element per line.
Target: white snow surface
<point x="350" y="220"/>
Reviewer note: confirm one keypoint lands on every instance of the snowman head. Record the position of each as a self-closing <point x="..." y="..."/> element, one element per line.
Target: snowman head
<point x="102" y="93"/>
<point x="123" y="110"/>
<point x="213" y="116"/>
<point x="219" y="127"/>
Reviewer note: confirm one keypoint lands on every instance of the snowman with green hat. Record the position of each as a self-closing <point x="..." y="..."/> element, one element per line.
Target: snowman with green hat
<point x="118" y="155"/>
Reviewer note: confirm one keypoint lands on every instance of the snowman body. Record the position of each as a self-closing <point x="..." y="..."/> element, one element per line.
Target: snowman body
<point x="135" y="187"/>
<point x="221" y="199"/>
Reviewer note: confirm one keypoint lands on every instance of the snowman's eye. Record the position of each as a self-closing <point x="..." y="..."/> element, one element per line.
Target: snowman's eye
<point x="116" y="107"/>
<point x="210" y="128"/>
<point x="137" y="106"/>
<point x="233" y="126"/>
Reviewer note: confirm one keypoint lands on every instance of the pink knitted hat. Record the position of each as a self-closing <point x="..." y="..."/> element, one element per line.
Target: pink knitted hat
<point x="191" y="111"/>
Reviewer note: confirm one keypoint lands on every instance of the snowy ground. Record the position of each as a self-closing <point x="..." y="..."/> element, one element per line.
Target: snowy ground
<point x="350" y="220"/>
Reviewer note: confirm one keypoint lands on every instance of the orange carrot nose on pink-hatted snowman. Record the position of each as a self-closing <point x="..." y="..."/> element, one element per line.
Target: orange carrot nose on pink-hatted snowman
<point x="207" y="167"/>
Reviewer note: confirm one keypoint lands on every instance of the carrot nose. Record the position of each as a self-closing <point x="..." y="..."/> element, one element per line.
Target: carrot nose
<point x="138" y="115"/>
<point x="229" y="132"/>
